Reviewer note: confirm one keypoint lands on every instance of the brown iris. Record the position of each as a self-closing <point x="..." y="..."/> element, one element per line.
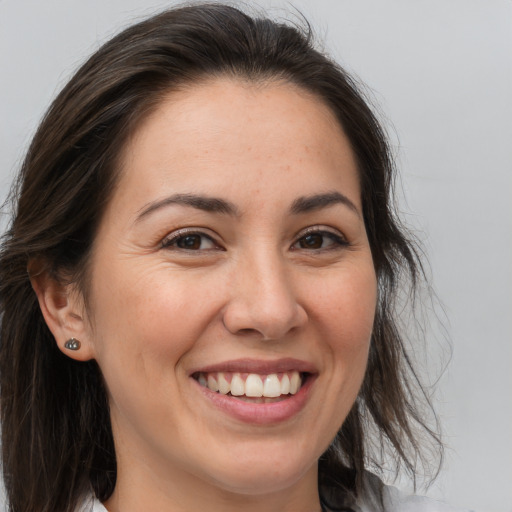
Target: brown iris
<point x="189" y="242"/>
<point x="312" y="241"/>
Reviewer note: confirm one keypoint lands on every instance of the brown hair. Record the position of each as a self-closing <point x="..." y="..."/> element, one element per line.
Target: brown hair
<point x="57" y="438"/>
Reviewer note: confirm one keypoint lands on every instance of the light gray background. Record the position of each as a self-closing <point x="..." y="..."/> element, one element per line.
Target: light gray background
<point x="441" y="70"/>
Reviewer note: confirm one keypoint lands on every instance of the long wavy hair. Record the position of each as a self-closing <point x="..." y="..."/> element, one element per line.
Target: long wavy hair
<point x="57" y="440"/>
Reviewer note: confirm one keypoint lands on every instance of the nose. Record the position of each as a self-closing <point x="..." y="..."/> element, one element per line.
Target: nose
<point x="263" y="300"/>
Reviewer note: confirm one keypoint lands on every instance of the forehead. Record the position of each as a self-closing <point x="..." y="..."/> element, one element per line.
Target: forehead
<point x="228" y="133"/>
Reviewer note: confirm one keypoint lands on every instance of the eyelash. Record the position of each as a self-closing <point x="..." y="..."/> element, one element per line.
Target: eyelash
<point x="338" y="240"/>
<point x="171" y="241"/>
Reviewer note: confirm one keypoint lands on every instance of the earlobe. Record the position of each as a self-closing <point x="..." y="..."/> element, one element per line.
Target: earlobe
<point x="64" y="313"/>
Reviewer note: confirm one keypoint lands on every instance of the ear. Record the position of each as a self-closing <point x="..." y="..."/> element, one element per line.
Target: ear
<point x="64" y="311"/>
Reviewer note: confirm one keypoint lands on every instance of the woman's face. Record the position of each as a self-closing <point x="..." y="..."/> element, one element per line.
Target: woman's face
<point x="233" y="254"/>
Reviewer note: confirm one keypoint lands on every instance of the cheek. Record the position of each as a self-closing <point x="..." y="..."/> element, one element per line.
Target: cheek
<point x="145" y="324"/>
<point x="149" y="317"/>
<point x="344" y="309"/>
<point x="347" y="307"/>
<point x="347" y="314"/>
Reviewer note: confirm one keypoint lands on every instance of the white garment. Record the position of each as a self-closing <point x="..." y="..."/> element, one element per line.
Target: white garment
<point x="91" y="504"/>
<point x="98" y="507"/>
<point x="396" y="501"/>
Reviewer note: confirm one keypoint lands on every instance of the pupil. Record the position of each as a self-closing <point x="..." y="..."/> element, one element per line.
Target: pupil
<point x="312" y="241"/>
<point x="190" y="242"/>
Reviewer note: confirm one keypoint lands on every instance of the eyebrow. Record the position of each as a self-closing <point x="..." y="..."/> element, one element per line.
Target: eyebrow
<point x="318" y="201"/>
<point x="205" y="203"/>
<point x="301" y="205"/>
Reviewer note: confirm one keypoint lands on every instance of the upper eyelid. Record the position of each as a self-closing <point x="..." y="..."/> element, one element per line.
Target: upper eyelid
<point x="175" y="235"/>
<point x="321" y="229"/>
<point x="202" y="231"/>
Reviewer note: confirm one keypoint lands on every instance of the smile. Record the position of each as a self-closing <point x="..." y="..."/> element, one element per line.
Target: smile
<point x="257" y="392"/>
<point x="266" y="387"/>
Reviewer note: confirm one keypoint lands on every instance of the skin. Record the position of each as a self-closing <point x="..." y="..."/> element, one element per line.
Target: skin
<point x="251" y="287"/>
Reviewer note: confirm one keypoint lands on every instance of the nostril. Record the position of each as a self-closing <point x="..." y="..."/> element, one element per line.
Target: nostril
<point x="269" y="321"/>
<point x="247" y="331"/>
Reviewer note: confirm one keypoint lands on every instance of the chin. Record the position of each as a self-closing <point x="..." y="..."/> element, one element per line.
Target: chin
<point x="267" y="470"/>
<point x="262" y="480"/>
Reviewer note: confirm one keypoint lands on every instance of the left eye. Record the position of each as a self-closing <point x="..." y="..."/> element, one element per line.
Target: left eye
<point x="190" y="242"/>
<point x="319" y="240"/>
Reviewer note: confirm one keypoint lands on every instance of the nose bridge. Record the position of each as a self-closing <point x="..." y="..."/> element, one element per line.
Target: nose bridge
<point x="271" y="288"/>
<point x="263" y="297"/>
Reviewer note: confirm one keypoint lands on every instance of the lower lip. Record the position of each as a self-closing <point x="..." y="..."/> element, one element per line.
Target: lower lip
<point x="260" y="413"/>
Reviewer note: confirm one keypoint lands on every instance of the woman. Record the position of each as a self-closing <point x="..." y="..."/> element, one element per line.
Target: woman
<point x="198" y="286"/>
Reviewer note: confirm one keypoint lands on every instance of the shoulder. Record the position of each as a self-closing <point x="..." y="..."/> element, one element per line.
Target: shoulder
<point x="387" y="498"/>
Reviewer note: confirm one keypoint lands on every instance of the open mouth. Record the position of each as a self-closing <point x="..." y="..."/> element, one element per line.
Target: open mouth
<point x="253" y="387"/>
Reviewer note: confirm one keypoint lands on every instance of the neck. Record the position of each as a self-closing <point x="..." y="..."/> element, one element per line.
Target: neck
<point x="144" y="489"/>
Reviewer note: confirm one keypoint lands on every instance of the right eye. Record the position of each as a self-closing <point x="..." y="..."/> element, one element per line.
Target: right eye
<point x="189" y="241"/>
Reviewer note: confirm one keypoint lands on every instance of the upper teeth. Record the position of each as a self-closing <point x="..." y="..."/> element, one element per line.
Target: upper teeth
<point x="252" y="384"/>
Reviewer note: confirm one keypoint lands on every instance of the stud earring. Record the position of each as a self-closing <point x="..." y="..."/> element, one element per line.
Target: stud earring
<point x="72" y="344"/>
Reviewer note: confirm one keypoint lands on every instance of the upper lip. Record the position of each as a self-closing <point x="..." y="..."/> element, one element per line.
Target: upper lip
<point x="262" y="367"/>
